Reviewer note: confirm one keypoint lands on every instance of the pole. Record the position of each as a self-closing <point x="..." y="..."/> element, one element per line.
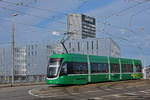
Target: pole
<point x="12" y="51"/>
<point x="109" y="66"/>
<point x="89" y="68"/>
<point x="97" y="47"/>
<point x="142" y="60"/>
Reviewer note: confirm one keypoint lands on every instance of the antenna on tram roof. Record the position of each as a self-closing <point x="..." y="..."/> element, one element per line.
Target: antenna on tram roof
<point x="64" y="39"/>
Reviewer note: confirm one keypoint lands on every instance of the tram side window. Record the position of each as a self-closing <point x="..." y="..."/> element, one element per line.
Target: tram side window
<point x="115" y="68"/>
<point x="69" y="68"/>
<point x="84" y="68"/>
<point x="126" y="68"/>
<point x="99" y="68"/>
<point x="103" y="68"/>
<point x="94" y="68"/>
<point x="77" y="68"/>
<point x="106" y="68"/>
<point x="130" y="67"/>
<point x="138" y="68"/>
<point x="63" y="69"/>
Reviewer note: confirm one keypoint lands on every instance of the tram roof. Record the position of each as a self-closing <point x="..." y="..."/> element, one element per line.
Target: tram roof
<point x="112" y="59"/>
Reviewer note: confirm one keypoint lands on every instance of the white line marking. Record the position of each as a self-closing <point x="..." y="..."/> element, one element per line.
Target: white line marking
<point x="55" y="96"/>
<point x="92" y="91"/>
<point x="96" y="98"/>
<point x="131" y="93"/>
<point x="144" y="92"/>
<point x="116" y="95"/>
<point x="108" y="95"/>
<point x="30" y="92"/>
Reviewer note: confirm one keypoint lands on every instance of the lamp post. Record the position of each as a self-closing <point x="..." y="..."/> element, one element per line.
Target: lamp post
<point x="142" y="59"/>
<point x="12" y="51"/>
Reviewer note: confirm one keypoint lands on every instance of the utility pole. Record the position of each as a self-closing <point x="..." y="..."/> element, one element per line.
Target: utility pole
<point x="12" y="51"/>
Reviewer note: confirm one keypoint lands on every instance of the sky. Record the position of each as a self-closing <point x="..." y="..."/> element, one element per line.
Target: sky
<point x="125" y="21"/>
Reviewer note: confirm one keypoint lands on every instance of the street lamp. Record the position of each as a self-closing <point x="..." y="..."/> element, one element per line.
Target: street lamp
<point x="12" y="51"/>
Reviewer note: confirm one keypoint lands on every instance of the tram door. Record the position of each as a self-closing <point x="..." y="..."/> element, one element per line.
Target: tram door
<point x="115" y="72"/>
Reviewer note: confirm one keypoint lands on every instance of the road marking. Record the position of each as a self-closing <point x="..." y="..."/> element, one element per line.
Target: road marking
<point x="57" y="90"/>
<point x="30" y="92"/>
<point x="92" y="91"/>
<point x="144" y="92"/>
<point x="54" y="96"/>
<point x="117" y="95"/>
<point x="131" y="93"/>
<point x="95" y="98"/>
<point x="108" y="95"/>
<point x="114" y="95"/>
<point x="46" y="95"/>
<point x="43" y="96"/>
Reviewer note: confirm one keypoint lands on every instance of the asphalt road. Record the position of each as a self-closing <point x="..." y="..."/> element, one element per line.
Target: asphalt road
<point x="122" y="90"/>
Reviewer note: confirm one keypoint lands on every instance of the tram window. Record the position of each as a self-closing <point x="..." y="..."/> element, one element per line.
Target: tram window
<point x="105" y="70"/>
<point x="115" y="68"/>
<point x="77" y="68"/>
<point x="138" y="68"/>
<point x="124" y="68"/>
<point x="99" y="68"/>
<point x="127" y="68"/>
<point x="130" y="66"/>
<point x="64" y="69"/>
<point x="84" y="68"/>
<point x="94" y="68"/>
<point x="69" y="68"/>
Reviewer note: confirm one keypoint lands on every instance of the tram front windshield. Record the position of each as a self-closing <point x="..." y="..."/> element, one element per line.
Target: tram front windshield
<point x="53" y="67"/>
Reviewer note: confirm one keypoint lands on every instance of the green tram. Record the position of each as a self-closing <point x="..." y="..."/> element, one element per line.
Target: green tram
<point x="83" y="69"/>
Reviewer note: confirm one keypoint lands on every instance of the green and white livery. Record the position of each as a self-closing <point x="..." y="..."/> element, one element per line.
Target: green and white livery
<point x="83" y="69"/>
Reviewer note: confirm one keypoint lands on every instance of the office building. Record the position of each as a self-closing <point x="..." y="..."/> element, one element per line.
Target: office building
<point x="81" y="26"/>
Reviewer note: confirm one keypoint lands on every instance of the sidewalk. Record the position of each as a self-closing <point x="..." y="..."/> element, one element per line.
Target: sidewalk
<point x="21" y="84"/>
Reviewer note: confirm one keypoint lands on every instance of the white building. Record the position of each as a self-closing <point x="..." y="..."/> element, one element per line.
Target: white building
<point x="30" y="62"/>
<point x="29" y="59"/>
<point x="32" y="59"/>
<point x="20" y="61"/>
<point x="81" y="26"/>
<point x="146" y="72"/>
<point x="92" y="46"/>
